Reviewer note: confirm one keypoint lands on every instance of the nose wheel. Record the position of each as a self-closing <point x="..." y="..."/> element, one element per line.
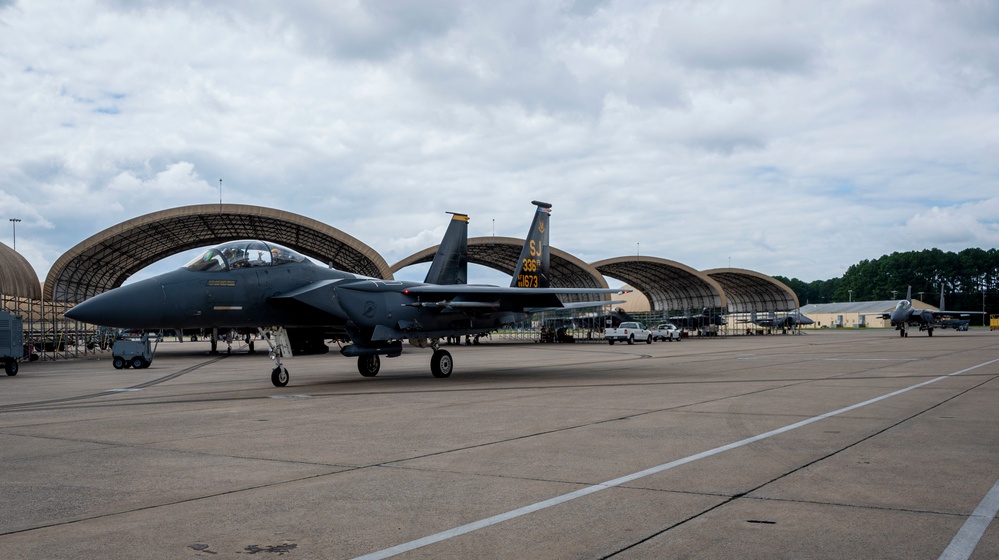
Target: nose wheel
<point x="279" y="376"/>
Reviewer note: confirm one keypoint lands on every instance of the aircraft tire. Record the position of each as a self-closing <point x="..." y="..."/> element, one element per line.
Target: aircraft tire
<point x="369" y="365"/>
<point x="279" y="377"/>
<point x="11" y="368"/>
<point x="118" y="362"/>
<point x="930" y="331"/>
<point x="441" y="364"/>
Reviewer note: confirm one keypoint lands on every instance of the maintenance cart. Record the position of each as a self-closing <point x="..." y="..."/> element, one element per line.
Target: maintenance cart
<point x="132" y="352"/>
<point x="11" y="341"/>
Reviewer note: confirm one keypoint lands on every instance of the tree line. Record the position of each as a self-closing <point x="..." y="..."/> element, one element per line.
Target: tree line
<point x="969" y="280"/>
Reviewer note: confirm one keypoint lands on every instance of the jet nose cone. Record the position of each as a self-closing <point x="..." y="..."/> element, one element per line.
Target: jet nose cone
<point x="137" y="305"/>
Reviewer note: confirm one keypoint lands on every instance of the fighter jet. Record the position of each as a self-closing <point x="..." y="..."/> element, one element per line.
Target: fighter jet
<point x="694" y="321"/>
<point x="262" y="285"/>
<point x="904" y="315"/>
<point x="787" y="321"/>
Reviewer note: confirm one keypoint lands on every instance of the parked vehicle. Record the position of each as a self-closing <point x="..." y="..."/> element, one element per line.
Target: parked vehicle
<point x="666" y="331"/>
<point x="132" y="352"/>
<point x="11" y="341"/>
<point x="629" y="332"/>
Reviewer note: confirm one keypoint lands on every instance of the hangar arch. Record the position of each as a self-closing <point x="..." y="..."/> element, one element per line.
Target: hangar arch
<point x="667" y="284"/>
<point x="502" y="253"/>
<point x="750" y="291"/>
<point x="17" y="277"/>
<point x="106" y="259"/>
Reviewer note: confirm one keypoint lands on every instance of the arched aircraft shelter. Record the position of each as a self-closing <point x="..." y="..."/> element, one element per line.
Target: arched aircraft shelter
<point x="502" y="253"/>
<point x="750" y="291"/>
<point x="667" y="284"/>
<point x="17" y="278"/>
<point x="106" y="259"/>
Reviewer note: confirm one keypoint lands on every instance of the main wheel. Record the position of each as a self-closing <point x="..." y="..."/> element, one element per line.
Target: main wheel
<point x="279" y="377"/>
<point x="11" y="368"/>
<point x="369" y="365"/>
<point x="118" y="362"/>
<point x="441" y="364"/>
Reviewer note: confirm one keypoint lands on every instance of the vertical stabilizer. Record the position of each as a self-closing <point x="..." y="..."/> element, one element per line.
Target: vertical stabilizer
<point x="908" y="295"/>
<point x="533" y="269"/>
<point x="450" y="264"/>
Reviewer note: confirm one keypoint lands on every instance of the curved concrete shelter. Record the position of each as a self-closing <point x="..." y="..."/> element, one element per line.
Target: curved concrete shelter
<point x="17" y="278"/>
<point x="502" y="253"/>
<point x="666" y="284"/>
<point x="106" y="259"/>
<point x="750" y="291"/>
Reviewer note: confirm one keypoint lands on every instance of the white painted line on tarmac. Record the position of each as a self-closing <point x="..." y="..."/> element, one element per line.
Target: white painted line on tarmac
<point x="512" y="514"/>
<point x="967" y="538"/>
<point x="782" y="359"/>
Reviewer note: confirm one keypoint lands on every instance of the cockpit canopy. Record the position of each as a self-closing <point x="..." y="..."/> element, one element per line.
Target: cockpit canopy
<point x="902" y="304"/>
<point x="243" y="254"/>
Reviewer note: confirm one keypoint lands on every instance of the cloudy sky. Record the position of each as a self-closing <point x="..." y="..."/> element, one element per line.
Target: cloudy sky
<point x="790" y="138"/>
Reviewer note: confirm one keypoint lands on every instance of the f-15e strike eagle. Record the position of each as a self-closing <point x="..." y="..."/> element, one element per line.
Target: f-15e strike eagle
<point x="904" y="316"/>
<point x="259" y="285"/>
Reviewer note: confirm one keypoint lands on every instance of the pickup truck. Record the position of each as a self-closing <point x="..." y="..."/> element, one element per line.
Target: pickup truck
<point x="666" y="331"/>
<point x="628" y="332"/>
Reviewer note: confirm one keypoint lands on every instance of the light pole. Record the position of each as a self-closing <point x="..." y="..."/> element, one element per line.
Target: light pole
<point x="851" y="295"/>
<point x="13" y="225"/>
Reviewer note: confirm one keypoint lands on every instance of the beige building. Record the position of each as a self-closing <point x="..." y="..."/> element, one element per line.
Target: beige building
<point x="855" y="314"/>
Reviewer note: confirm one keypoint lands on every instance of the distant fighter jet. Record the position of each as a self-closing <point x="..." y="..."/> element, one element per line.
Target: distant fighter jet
<point x="788" y="321"/>
<point x="694" y="321"/>
<point x="904" y="316"/>
<point x="261" y="285"/>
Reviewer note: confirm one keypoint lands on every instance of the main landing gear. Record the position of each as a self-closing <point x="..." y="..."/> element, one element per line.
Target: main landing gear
<point x="369" y="365"/>
<point x="441" y="364"/>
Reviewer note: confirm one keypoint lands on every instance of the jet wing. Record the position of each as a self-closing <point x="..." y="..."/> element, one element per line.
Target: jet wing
<point x="509" y="298"/>
<point x="954" y="314"/>
<point x="316" y="295"/>
<point x="477" y="289"/>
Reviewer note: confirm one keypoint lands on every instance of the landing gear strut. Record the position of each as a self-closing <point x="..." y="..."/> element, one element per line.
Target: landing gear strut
<point x="279" y="347"/>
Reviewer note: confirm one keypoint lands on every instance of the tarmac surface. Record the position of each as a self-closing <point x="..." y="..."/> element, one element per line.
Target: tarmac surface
<point x="838" y="444"/>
